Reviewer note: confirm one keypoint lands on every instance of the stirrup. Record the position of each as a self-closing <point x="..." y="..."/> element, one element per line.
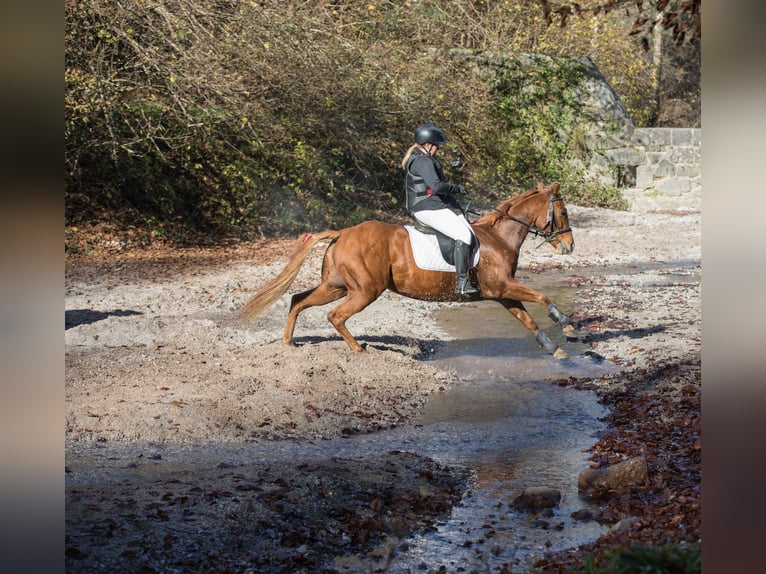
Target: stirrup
<point x="466" y="288"/>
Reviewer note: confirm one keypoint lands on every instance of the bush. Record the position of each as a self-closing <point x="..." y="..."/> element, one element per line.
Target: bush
<point x="667" y="559"/>
<point x="198" y="121"/>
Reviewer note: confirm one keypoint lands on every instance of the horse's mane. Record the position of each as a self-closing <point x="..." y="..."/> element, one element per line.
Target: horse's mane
<point x="504" y="207"/>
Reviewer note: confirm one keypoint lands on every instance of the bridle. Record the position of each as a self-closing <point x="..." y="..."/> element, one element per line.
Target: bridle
<point x="548" y="236"/>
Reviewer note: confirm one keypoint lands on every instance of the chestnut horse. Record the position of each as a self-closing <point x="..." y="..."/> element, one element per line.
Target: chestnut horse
<point x="363" y="261"/>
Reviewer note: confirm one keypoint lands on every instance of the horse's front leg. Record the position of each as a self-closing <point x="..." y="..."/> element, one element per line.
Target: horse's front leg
<point x="516" y="291"/>
<point x="562" y="320"/>
<point x="516" y="308"/>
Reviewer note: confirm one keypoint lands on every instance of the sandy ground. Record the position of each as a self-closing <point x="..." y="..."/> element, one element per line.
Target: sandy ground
<point x="154" y="357"/>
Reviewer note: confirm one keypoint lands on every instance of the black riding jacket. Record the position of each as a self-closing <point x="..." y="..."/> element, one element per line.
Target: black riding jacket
<point x="425" y="187"/>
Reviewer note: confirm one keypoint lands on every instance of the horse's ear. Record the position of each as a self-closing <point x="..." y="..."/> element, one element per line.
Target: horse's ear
<point x="556" y="188"/>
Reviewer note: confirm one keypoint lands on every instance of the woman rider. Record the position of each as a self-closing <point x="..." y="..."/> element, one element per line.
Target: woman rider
<point x="434" y="202"/>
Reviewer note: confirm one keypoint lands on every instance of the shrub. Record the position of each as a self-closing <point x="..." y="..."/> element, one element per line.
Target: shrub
<point x="198" y="121"/>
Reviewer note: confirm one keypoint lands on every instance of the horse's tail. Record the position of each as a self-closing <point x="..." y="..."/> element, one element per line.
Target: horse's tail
<point x="281" y="283"/>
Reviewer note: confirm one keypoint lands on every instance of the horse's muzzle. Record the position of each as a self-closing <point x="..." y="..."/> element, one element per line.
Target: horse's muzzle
<point x="565" y="248"/>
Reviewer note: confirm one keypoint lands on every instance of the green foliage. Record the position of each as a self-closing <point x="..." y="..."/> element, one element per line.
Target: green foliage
<point x="666" y="559"/>
<point x="540" y="108"/>
<point x="537" y="105"/>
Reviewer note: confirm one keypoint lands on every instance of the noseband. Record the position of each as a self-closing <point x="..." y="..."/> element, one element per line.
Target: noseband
<point x="547" y="235"/>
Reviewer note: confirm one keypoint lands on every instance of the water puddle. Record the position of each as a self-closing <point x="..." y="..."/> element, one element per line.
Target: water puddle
<point x="514" y="428"/>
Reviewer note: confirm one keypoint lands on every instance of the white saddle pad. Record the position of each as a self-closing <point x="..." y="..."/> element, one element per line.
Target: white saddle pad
<point x="428" y="256"/>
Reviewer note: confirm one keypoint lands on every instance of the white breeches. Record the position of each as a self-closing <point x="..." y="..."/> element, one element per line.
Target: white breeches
<point x="448" y="222"/>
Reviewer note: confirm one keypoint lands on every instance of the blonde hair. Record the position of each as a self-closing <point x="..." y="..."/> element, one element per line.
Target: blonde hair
<point x="408" y="155"/>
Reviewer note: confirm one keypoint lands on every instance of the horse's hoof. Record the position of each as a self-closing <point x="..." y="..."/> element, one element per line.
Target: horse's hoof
<point x="560" y="354"/>
<point x="570" y="332"/>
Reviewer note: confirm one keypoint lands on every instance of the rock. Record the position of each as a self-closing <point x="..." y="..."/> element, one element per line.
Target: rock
<point x="537" y="498"/>
<point x="583" y="514"/>
<point x="624" y="524"/>
<point x="600" y="482"/>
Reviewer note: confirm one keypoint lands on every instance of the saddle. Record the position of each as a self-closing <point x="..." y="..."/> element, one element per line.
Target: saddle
<point x="446" y="244"/>
<point x="433" y="250"/>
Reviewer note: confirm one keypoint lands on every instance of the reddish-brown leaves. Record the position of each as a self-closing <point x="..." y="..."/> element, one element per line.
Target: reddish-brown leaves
<point x="655" y="413"/>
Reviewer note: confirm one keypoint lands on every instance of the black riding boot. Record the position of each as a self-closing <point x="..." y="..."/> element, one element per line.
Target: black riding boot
<point x="462" y="253"/>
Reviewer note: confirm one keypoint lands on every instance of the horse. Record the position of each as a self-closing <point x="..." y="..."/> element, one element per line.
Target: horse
<point x="362" y="261"/>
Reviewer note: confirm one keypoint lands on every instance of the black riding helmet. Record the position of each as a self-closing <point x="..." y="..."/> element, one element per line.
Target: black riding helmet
<point x="429" y="133"/>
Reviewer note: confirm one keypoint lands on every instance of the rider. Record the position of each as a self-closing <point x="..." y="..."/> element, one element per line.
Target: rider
<point x="434" y="202"/>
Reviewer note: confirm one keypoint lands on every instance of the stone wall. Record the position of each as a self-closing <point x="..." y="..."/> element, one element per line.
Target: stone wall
<point x="660" y="168"/>
<point x="656" y="168"/>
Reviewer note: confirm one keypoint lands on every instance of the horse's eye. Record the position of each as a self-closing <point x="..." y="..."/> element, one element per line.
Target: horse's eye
<point x="564" y="213"/>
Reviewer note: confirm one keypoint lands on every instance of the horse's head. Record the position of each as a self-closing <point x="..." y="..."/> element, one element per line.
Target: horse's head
<point x="541" y="212"/>
<point x="553" y="222"/>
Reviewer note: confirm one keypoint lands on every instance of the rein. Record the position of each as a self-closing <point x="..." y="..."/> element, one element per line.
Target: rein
<point x="547" y="236"/>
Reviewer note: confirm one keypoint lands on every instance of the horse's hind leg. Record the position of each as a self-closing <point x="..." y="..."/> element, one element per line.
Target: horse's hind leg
<point x="355" y="302"/>
<point x="320" y="295"/>
<point x="516" y="308"/>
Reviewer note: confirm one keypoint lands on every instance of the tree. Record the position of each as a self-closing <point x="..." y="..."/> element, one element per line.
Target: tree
<point x="198" y="119"/>
<point x="682" y="17"/>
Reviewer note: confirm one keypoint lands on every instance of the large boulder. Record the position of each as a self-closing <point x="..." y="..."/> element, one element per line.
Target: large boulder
<point x="602" y="482"/>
